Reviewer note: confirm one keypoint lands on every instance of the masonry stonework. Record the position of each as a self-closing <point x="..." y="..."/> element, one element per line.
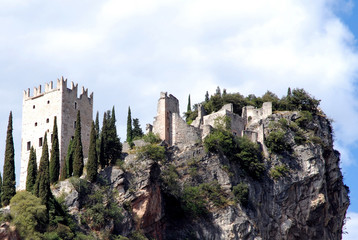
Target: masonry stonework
<point x="175" y="131"/>
<point x="38" y="113"/>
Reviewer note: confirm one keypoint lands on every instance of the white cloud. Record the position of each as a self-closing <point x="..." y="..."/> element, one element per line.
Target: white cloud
<point x="351" y="226"/>
<point x="129" y="51"/>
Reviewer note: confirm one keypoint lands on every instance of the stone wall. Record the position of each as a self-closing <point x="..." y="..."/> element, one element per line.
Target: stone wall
<point x="250" y="113"/>
<point x="38" y="113"/>
<point x="184" y="134"/>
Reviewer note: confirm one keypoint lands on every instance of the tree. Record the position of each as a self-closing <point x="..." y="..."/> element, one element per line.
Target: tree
<point x="129" y="127"/>
<point x="218" y="91"/>
<point x="9" y="166"/>
<point x="98" y="137"/>
<point x="0" y="187"/>
<point x="189" y="105"/>
<point x="78" y="150"/>
<point x="55" y="155"/>
<point x="137" y="130"/>
<point x="69" y="159"/>
<point x="31" y="171"/>
<point x="207" y="96"/>
<point x="92" y="164"/>
<point x="42" y="185"/>
<point x="63" y="174"/>
<point x="103" y="141"/>
<point x="29" y="215"/>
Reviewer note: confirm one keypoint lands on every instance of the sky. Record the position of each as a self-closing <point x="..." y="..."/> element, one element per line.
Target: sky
<point x="127" y="52"/>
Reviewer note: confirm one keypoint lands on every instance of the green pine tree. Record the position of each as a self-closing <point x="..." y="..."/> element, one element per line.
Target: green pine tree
<point x="137" y="130"/>
<point x="103" y="154"/>
<point x="92" y="164"/>
<point x="114" y="146"/>
<point x="42" y="185"/>
<point x="189" y="105"/>
<point x="69" y="159"/>
<point x="55" y="155"/>
<point x="98" y="136"/>
<point x="78" y="150"/>
<point x="129" y="127"/>
<point x="31" y="171"/>
<point x="9" y="167"/>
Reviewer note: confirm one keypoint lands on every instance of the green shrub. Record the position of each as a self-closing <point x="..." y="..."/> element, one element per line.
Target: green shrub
<point x="136" y="235"/>
<point x="276" y="142"/>
<point x="241" y="193"/>
<point x="170" y="178"/>
<point x="283" y="122"/>
<point x="214" y="193"/>
<point x="279" y="171"/>
<point x="29" y="215"/>
<point x="193" y="199"/>
<point x="249" y="156"/>
<point x="151" y="151"/>
<point x="151" y="138"/>
<point x="219" y="142"/>
<point x="316" y="140"/>
<point x="304" y="119"/>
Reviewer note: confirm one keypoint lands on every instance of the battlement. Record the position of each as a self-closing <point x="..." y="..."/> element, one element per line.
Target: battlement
<point x="61" y="86"/>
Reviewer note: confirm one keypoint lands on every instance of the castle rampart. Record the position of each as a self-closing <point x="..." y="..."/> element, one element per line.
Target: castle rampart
<point x="175" y="131"/>
<point x="38" y="113"/>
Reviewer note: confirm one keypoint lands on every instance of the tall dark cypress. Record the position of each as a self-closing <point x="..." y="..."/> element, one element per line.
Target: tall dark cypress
<point x="55" y="155"/>
<point x="114" y="144"/>
<point x="9" y="167"/>
<point x="189" y="105"/>
<point x="69" y="159"/>
<point x="92" y="164"/>
<point x="207" y="96"/>
<point x="103" y="154"/>
<point x="42" y="185"/>
<point x="0" y="187"/>
<point x="137" y="130"/>
<point x="63" y="172"/>
<point x="129" y="126"/>
<point x="78" y="150"/>
<point x="31" y="171"/>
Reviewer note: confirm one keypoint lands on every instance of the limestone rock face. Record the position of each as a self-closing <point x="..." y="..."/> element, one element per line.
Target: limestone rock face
<point x="8" y="232"/>
<point x="308" y="201"/>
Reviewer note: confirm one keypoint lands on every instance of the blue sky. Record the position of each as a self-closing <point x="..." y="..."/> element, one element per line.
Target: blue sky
<point x="126" y="52"/>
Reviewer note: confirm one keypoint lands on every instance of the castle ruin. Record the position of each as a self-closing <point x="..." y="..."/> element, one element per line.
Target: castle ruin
<point x="38" y="113"/>
<point x="175" y="131"/>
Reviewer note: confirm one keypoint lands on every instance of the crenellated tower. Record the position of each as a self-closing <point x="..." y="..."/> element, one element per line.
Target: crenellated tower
<point x="38" y="113"/>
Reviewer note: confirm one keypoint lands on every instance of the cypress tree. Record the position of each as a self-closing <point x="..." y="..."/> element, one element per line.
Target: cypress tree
<point x="63" y="174"/>
<point x="207" y="96"/>
<point x="55" y="155"/>
<point x="129" y="127"/>
<point x="78" y="150"/>
<point x="103" y="154"/>
<point x="113" y="143"/>
<point x="189" y="105"/>
<point x="98" y="138"/>
<point x="9" y="166"/>
<point x="137" y="130"/>
<point x="31" y="171"/>
<point x="0" y="188"/>
<point x="92" y="164"/>
<point x="42" y="185"/>
<point x="69" y="159"/>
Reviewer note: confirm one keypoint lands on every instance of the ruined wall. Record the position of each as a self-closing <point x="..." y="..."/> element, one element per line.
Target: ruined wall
<point x="184" y="134"/>
<point x="38" y="113"/>
<point x="250" y="113"/>
<point x="237" y="122"/>
<point x="162" y="124"/>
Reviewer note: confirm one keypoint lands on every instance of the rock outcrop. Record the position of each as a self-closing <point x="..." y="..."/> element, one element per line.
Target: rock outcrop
<point x="305" y="200"/>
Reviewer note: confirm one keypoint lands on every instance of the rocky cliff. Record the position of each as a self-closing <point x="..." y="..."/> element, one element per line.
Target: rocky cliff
<point x="191" y="193"/>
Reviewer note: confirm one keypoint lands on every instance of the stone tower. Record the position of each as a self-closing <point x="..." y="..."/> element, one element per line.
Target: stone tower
<point x="38" y="113"/>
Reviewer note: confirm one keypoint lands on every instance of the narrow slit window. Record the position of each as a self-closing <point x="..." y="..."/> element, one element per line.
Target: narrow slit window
<point x="75" y="105"/>
<point x="74" y="124"/>
<point x="35" y="124"/>
<point x="48" y="102"/>
<point x="33" y="106"/>
<point x="47" y="120"/>
<point x="28" y="146"/>
<point x="51" y="137"/>
<point x="40" y="142"/>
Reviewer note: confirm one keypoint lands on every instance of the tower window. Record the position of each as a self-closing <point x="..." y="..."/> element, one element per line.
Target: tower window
<point x="74" y="124"/>
<point x="33" y="107"/>
<point x="35" y="124"/>
<point x="75" y="105"/>
<point x="48" y="102"/>
<point x="28" y="146"/>
<point x="47" y="120"/>
<point x="40" y="142"/>
<point x="51" y="137"/>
